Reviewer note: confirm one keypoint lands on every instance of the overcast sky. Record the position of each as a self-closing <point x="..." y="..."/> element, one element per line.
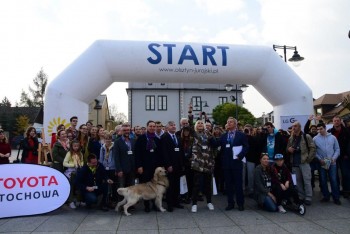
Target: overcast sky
<point x="51" y="34"/>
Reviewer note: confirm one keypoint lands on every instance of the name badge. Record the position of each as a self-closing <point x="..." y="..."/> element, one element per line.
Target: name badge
<point x="95" y="187"/>
<point x="227" y="145"/>
<point x="151" y="150"/>
<point x="177" y="149"/>
<point x="204" y="147"/>
<point x="107" y="168"/>
<point x="268" y="184"/>
<point x="129" y="152"/>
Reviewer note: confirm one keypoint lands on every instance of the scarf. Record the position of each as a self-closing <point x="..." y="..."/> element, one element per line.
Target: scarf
<point x="150" y="141"/>
<point x="64" y="145"/>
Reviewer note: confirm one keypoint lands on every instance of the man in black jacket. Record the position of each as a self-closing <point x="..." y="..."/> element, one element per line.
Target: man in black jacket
<point x="343" y="162"/>
<point x="148" y="156"/>
<point x="92" y="181"/>
<point x="173" y="162"/>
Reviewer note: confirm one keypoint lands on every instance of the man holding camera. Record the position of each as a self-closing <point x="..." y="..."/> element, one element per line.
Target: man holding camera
<point x="302" y="150"/>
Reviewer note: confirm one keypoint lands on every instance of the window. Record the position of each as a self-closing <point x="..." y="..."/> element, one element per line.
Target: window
<point x="196" y="103"/>
<point x="162" y="103"/>
<point x="319" y="111"/>
<point x="222" y="100"/>
<point x="150" y="102"/>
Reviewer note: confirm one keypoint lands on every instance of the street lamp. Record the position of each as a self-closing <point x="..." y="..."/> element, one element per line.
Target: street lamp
<point x="296" y="58"/>
<point x="243" y="88"/>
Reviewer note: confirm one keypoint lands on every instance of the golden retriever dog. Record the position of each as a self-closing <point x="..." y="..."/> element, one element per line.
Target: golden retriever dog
<point x="153" y="189"/>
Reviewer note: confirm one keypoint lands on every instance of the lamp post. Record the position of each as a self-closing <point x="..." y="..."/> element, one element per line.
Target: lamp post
<point x="296" y="58"/>
<point x="229" y="87"/>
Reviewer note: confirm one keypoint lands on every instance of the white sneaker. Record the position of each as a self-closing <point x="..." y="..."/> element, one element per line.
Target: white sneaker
<point x="194" y="209"/>
<point x="281" y="210"/>
<point x="210" y="206"/>
<point x="72" y="205"/>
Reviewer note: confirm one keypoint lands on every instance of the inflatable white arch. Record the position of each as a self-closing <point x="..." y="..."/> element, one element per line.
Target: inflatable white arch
<point x="105" y="62"/>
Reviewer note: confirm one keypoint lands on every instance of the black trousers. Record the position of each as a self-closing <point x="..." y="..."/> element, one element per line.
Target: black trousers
<point x="281" y="194"/>
<point x="206" y="178"/>
<point x="173" y="192"/>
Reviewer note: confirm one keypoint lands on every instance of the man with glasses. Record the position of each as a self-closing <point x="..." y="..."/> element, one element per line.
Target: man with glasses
<point x="327" y="152"/>
<point x="302" y="150"/>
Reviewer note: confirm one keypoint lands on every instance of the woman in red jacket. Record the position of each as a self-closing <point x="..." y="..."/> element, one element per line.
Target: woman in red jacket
<point x="5" y="148"/>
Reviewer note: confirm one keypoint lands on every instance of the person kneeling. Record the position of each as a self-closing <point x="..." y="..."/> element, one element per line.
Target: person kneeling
<point x="262" y="185"/>
<point x="92" y="180"/>
<point x="282" y="183"/>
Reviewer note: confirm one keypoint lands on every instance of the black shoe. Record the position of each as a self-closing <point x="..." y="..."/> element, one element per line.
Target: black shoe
<point x="307" y="202"/>
<point x="179" y="206"/>
<point x="323" y="200"/>
<point x="337" y="202"/>
<point x="104" y="208"/>
<point x="147" y="209"/>
<point x="241" y="208"/>
<point x="230" y="207"/>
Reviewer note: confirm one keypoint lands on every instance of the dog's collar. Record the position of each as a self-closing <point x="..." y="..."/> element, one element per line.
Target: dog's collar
<point x="162" y="185"/>
<point x="158" y="183"/>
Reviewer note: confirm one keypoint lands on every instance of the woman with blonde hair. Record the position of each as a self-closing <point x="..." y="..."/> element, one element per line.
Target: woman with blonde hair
<point x="202" y="164"/>
<point x="73" y="162"/>
<point x="5" y="148"/>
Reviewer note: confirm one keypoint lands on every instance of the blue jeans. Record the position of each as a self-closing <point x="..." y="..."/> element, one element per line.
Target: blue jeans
<point x="269" y="204"/>
<point x="332" y="175"/>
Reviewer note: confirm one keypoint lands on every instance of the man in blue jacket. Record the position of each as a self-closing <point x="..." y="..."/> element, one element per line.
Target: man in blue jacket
<point x="233" y="140"/>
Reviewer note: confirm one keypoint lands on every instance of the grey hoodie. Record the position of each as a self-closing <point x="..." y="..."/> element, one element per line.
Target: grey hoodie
<point x="326" y="146"/>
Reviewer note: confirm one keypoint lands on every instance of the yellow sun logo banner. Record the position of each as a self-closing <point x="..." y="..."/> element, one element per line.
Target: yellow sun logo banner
<point x="54" y="123"/>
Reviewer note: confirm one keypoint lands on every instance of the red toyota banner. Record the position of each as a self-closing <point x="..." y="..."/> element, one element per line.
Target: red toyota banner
<point x="27" y="189"/>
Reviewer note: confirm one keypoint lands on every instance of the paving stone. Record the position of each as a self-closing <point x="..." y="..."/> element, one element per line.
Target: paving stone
<point x="265" y="228"/>
<point x="247" y="217"/>
<point x="214" y="218"/>
<point x="64" y="223"/>
<point x="180" y="231"/>
<point x="222" y="230"/>
<point x="303" y="227"/>
<point x="336" y="225"/>
<point x="23" y="224"/>
<point x="138" y="232"/>
<point x="177" y="219"/>
<point x="107" y="222"/>
<point x="139" y="221"/>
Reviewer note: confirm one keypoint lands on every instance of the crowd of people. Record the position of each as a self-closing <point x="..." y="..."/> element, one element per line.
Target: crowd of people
<point x="270" y="165"/>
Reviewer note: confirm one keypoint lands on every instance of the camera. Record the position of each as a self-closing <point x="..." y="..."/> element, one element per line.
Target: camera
<point x="246" y="131"/>
<point x="203" y="113"/>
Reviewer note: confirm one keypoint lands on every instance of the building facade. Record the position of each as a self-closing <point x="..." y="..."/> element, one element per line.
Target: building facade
<point x="99" y="112"/>
<point x="168" y="101"/>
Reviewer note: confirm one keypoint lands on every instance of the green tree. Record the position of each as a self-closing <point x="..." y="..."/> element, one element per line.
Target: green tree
<point x="5" y="102"/>
<point x="223" y="111"/>
<point x="22" y="123"/>
<point x="35" y="97"/>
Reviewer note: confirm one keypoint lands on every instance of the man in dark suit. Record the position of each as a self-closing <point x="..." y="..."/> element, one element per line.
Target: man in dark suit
<point x="232" y="164"/>
<point x="148" y="156"/>
<point x="173" y="161"/>
<point x="123" y="153"/>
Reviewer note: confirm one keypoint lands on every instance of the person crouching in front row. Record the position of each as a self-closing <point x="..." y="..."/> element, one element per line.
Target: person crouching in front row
<point x="92" y="180"/>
